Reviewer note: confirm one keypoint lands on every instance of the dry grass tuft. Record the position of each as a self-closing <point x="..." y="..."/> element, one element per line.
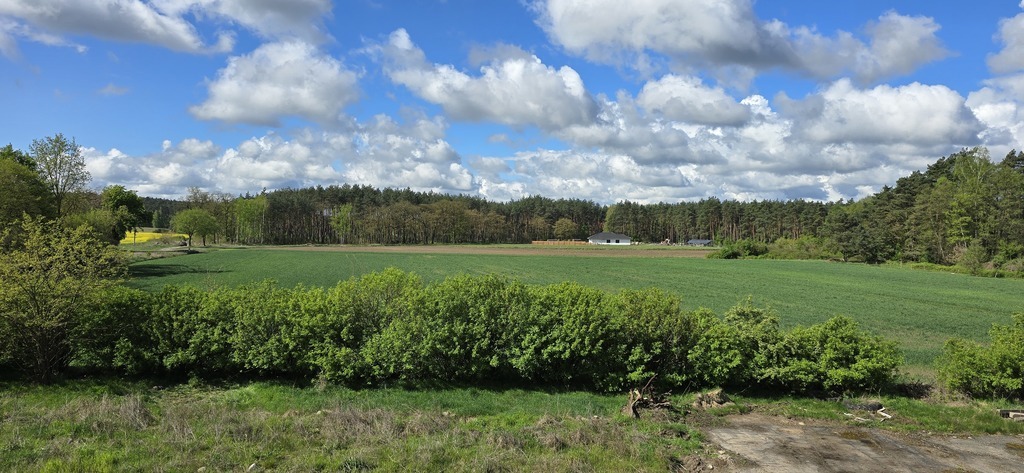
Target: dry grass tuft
<point x="506" y="440"/>
<point x="346" y="424"/>
<point x="176" y="423"/>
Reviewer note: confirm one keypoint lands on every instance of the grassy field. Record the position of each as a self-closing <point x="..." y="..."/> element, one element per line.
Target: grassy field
<point x="920" y="309"/>
<point x="96" y="427"/>
<point x="105" y="426"/>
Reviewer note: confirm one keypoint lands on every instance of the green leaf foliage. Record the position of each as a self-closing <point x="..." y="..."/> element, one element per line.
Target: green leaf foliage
<point x="49" y="277"/>
<point x="833" y="357"/>
<point x="995" y="370"/>
<point x="198" y="222"/>
<point x="390" y="327"/>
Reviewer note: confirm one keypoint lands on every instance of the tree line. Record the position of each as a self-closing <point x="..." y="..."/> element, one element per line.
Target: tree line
<point x="965" y="208"/>
<point x="367" y="215"/>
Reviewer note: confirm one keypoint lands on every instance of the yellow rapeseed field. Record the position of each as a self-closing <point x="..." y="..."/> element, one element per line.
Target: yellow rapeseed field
<point x="143" y="237"/>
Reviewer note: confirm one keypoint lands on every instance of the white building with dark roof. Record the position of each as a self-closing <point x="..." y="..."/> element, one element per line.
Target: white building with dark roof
<point x="609" y="238"/>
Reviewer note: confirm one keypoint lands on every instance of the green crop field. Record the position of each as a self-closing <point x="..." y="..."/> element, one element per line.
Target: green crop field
<point x="919" y="309"/>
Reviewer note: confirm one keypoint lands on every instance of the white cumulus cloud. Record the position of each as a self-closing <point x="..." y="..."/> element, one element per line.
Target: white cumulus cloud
<point x="122" y="20"/>
<point x="728" y="33"/>
<point x="914" y="114"/>
<point x="1011" y="58"/>
<point x="270" y="19"/>
<point x="277" y="80"/>
<point x="171" y="24"/>
<point x="513" y="89"/>
<point x="687" y="99"/>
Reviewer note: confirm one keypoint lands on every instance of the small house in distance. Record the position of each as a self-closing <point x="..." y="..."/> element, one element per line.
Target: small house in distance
<point x="699" y="242"/>
<point x="608" y="238"/>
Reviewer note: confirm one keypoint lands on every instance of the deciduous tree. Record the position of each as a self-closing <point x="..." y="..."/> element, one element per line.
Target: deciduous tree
<point x="21" y="192"/>
<point x="47" y="279"/>
<point x="61" y="166"/>
<point x="127" y="208"/>
<point x="566" y="229"/>
<point x="341" y="221"/>
<point x="194" y="222"/>
<point x="9" y="153"/>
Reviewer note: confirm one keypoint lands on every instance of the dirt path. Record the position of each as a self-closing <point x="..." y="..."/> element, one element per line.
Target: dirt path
<point x="756" y="442"/>
<point x="630" y="252"/>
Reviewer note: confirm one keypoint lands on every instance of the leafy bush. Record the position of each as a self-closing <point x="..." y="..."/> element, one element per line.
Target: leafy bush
<point x="758" y="331"/>
<point x="111" y="336"/>
<point x="804" y="248"/>
<point x="973" y="257"/>
<point x="190" y="330"/>
<point x="359" y="310"/>
<point x="726" y="252"/>
<point x="834" y="357"/>
<point x="567" y="337"/>
<point x="717" y="356"/>
<point x="744" y="248"/>
<point x="459" y="333"/>
<point x="388" y="327"/>
<point x="49" y="275"/>
<point x="268" y="335"/>
<point x="996" y="370"/>
<point x="656" y="336"/>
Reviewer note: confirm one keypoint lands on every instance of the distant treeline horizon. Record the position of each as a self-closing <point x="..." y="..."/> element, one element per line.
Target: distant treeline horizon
<point x="965" y="200"/>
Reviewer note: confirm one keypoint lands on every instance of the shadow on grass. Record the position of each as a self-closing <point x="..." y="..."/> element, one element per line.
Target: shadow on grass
<point x="168" y="269"/>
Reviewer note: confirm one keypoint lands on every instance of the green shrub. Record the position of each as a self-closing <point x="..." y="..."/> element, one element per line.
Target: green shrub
<point x="191" y="329"/>
<point x="49" y="276"/>
<point x="388" y="326"/>
<point x="996" y="370"/>
<point x="740" y="249"/>
<point x="726" y="252"/>
<point x="804" y="248"/>
<point x="268" y="334"/>
<point x="337" y="336"/>
<point x="833" y="357"/>
<point x="656" y="336"/>
<point x="757" y="330"/>
<point x="460" y="333"/>
<point x="360" y="310"/>
<point x="113" y="335"/>
<point x="568" y="337"/>
<point x="717" y="356"/>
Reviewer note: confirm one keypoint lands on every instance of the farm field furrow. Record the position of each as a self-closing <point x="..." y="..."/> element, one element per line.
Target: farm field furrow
<point x="919" y="309"/>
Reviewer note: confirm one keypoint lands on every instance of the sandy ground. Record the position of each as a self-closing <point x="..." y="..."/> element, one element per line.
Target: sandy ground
<point x="760" y="443"/>
<point x="632" y="251"/>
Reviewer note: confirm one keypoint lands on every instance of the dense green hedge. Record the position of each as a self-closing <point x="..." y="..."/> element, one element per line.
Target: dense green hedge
<point x="391" y="327"/>
<point x="993" y="370"/>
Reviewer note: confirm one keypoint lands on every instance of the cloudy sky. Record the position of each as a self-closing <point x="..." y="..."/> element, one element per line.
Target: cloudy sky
<point x="607" y="100"/>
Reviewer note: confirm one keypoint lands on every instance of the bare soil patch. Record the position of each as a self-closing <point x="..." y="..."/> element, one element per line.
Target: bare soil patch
<point x="539" y="250"/>
<point x="757" y="442"/>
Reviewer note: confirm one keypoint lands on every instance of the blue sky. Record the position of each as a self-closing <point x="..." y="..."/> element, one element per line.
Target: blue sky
<point x="648" y="100"/>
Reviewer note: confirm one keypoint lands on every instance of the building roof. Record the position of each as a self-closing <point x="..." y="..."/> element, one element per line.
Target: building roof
<point x="698" y="242"/>
<point x="608" y="236"/>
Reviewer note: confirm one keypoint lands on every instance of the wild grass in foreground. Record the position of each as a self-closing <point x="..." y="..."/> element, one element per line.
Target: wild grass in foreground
<point x="86" y="426"/>
<point x="131" y="426"/>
